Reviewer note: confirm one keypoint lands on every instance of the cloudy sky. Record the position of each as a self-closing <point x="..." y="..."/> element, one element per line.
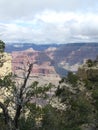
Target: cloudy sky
<point x="49" y="21"/>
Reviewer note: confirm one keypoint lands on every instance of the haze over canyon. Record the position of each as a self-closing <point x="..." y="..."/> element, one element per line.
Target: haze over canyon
<point x="51" y="61"/>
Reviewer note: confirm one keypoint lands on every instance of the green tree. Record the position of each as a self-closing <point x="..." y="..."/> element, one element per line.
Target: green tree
<point x="72" y="78"/>
<point x="17" y="94"/>
<point x="2" y="47"/>
<point x="53" y="118"/>
<point x="89" y="63"/>
<point x="81" y="99"/>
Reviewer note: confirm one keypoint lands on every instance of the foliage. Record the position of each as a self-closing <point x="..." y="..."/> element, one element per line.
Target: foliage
<point x="72" y="78"/>
<point x="2" y="46"/>
<point x="17" y="101"/>
<point x="21" y="109"/>
<point x="16" y="94"/>
<point x="89" y="63"/>
<point x="53" y="119"/>
<point x="81" y="98"/>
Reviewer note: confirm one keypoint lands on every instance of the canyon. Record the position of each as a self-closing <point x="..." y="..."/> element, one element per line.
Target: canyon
<point x="50" y="62"/>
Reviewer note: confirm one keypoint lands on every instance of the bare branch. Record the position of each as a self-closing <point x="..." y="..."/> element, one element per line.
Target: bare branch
<point x="5" y="112"/>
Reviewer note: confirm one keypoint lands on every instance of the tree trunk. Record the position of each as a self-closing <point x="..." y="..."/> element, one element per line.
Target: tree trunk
<point x="9" y="124"/>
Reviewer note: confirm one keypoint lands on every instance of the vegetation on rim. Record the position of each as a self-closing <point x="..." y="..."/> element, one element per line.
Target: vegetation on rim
<point x="78" y="95"/>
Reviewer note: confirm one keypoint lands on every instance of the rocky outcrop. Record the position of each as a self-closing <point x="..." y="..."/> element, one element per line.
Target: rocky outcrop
<point x="42" y="65"/>
<point x="56" y="60"/>
<point x="88" y="72"/>
<point x="7" y="66"/>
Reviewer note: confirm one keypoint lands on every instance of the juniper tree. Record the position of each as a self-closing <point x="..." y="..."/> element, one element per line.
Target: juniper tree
<point x="17" y="95"/>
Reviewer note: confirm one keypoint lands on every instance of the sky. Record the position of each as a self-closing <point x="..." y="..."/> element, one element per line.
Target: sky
<point x="49" y="21"/>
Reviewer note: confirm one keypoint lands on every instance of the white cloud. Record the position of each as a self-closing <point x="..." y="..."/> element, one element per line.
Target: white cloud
<point x="25" y="9"/>
<point x="48" y="21"/>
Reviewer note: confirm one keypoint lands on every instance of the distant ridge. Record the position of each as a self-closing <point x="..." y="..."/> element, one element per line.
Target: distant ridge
<point x="24" y="46"/>
<point x="41" y="47"/>
<point x="55" y="59"/>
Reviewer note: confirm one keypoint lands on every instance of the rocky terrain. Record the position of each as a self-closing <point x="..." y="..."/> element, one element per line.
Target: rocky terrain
<point x="43" y="69"/>
<point x="51" y="62"/>
<point x="6" y="68"/>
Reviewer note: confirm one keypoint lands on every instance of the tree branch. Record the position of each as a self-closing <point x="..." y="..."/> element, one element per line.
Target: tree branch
<point x="5" y="112"/>
<point x="20" y="98"/>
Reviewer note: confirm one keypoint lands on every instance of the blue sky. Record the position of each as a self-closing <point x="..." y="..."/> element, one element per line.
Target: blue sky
<point x="49" y="21"/>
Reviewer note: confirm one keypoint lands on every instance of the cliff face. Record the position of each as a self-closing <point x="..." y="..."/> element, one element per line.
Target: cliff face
<point x="42" y="62"/>
<point x="55" y="60"/>
<point x="43" y="67"/>
<point x="74" y="53"/>
<point x="86" y="72"/>
<point x="7" y="65"/>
